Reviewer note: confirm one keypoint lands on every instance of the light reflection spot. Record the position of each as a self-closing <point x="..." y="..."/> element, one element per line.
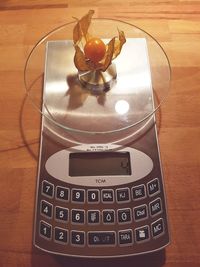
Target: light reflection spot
<point x="122" y="107"/>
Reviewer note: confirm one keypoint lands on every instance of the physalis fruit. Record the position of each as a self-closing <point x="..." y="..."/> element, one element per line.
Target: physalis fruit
<point x="90" y="52"/>
<point x="95" y="49"/>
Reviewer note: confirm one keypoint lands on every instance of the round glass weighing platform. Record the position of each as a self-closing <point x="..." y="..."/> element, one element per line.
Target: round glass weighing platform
<point x="73" y="111"/>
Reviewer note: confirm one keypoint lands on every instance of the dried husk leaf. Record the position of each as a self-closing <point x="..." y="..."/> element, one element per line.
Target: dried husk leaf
<point x="79" y="60"/>
<point x="109" y="55"/>
<point x="113" y="50"/>
<point x="81" y="28"/>
<point x="119" y="43"/>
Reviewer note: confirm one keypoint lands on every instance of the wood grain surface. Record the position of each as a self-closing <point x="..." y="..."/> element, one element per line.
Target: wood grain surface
<point x="176" y="25"/>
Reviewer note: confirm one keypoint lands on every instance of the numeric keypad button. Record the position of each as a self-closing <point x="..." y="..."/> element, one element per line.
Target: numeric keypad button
<point x="138" y="192"/>
<point x="62" y="193"/>
<point x="155" y="207"/>
<point x="78" y="238"/>
<point x="107" y="238"/>
<point x="46" y="209"/>
<point x="124" y="215"/>
<point x="45" y="230"/>
<point x="61" y="214"/>
<point x="47" y="189"/>
<point x="157" y="228"/>
<point x="60" y="235"/>
<point x="107" y="196"/>
<point x="108" y="216"/>
<point x="77" y="216"/>
<point x="125" y="237"/>
<point x="142" y="234"/>
<point x="153" y="187"/>
<point x="140" y="212"/>
<point x="123" y="195"/>
<point x="93" y="196"/>
<point x="78" y="195"/>
<point x="93" y="216"/>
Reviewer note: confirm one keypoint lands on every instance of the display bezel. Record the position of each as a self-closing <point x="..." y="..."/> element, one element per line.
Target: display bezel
<point x="58" y="166"/>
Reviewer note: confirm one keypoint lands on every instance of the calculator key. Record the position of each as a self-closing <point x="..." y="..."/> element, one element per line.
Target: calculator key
<point x="45" y="230"/>
<point x="125" y="237"/>
<point x="140" y="212"/>
<point x="142" y="233"/>
<point x="108" y="216"/>
<point x="153" y="187"/>
<point x="138" y="192"/>
<point x="60" y="235"/>
<point x="46" y="209"/>
<point x="93" y="196"/>
<point x="155" y="207"/>
<point x="102" y="238"/>
<point x="93" y="216"/>
<point x="47" y="189"/>
<point x="124" y="215"/>
<point x="78" y="238"/>
<point x="78" y="216"/>
<point x="78" y="195"/>
<point x="61" y="214"/>
<point x="62" y="193"/>
<point x="123" y="195"/>
<point x="107" y="195"/>
<point x="157" y="228"/>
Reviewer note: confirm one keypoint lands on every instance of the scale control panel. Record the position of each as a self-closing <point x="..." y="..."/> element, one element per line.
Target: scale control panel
<point x="90" y="198"/>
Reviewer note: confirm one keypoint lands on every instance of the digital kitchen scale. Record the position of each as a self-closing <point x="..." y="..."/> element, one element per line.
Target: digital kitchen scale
<point x="100" y="190"/>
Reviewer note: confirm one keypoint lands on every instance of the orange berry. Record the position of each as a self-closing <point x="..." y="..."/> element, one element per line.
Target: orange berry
<point x="95" y="50"/>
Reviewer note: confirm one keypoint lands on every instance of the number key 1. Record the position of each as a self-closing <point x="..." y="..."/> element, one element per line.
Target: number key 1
<point x="45" y="230"/>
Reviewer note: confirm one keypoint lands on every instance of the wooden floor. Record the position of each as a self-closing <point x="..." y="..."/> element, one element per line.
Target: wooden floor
<point x="176" y="25"/>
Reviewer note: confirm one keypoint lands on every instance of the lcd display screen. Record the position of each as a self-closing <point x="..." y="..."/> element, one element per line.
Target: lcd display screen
<point x="99" y="163"/>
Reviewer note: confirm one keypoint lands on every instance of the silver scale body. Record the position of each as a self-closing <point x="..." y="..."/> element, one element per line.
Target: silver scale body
<point x="55" y="148"/>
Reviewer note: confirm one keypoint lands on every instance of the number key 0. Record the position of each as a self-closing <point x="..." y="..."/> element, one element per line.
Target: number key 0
<point x="93" y="196"/>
